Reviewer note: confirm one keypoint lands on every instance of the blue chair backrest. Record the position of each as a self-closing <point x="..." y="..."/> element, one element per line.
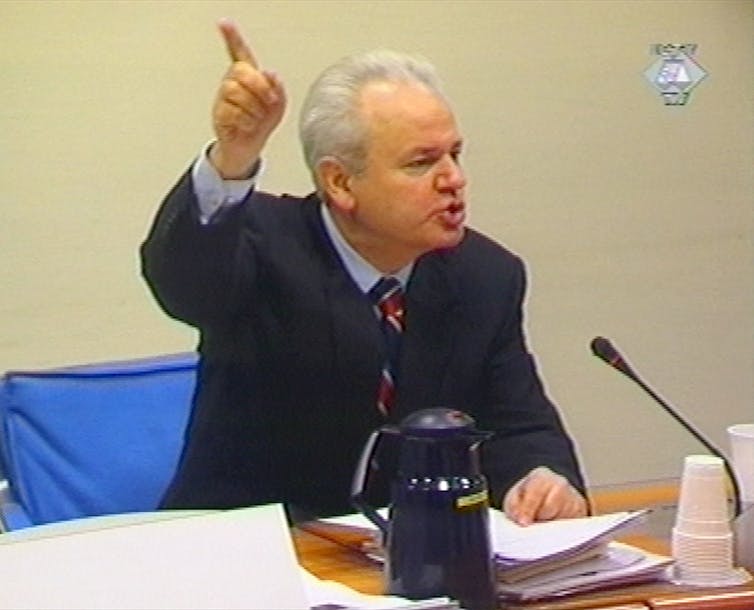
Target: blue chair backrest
<point x="94" y="439"/>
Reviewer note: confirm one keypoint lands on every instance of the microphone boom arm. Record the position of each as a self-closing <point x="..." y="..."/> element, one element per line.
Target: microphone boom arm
<point x="604" y="350"/>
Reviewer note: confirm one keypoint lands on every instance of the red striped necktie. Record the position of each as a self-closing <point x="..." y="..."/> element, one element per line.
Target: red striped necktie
<point x="387" y="295"/>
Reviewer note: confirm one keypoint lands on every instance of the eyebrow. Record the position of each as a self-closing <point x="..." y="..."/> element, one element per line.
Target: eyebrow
<point x="431" y="150"/>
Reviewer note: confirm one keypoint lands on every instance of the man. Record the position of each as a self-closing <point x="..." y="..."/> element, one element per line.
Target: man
<point x="295" y="370"/>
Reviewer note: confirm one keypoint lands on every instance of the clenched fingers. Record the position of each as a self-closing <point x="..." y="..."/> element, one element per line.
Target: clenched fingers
<point x="253" y="92"/>
<point x="543" y="495"/>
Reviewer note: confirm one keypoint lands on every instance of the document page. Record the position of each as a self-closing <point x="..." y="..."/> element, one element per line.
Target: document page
<point x="227" y="559"/>
<point x="513" y="543"/>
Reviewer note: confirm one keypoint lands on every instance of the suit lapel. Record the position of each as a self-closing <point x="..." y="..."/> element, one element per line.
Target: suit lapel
<point x="358" y="344"/>
<point x="432" y="303"/>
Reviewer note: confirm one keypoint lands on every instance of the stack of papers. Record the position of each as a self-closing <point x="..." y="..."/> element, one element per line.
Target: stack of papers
<point x="558" y="558"/>
<point x="568" y="556"/>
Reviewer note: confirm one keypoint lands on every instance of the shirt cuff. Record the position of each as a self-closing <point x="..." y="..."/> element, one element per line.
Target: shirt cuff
<point x="212" y="192"/>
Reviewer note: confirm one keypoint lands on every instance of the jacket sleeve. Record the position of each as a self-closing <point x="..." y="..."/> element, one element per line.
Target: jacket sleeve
<point x="195" y="270"/>
<point x="528" y="429"/>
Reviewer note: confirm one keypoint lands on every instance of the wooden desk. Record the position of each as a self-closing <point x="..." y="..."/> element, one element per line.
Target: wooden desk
<point x="331" y="561"/>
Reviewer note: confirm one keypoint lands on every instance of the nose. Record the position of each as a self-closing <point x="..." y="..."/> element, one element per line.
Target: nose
<point x="450" y="175"/>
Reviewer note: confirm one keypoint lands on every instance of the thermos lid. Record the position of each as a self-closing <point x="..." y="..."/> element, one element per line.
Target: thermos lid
<point x="438" y="422"/>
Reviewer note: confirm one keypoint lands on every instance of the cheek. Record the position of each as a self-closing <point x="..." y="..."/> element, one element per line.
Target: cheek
<point x="403" y="203"/>
<point x="415" y="208"/>
<point x="420" y="194"/>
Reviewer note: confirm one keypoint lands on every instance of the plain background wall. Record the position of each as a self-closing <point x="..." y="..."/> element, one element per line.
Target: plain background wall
<point x="635" y="218"/>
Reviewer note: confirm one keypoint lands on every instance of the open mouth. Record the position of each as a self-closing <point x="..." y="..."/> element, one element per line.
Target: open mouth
<point x="454" y="214"/>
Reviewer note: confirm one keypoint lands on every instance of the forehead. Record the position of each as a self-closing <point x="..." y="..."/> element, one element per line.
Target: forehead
<point x="402" y="116"/>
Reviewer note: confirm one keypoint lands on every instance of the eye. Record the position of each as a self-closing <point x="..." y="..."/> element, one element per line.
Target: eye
<point x="420" y="165"/>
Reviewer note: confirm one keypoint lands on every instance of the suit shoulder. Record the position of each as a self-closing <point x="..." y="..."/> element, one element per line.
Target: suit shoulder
<point x="490" y="278"/>
<point x="478" y="253"/>
<point x="269" y="203"/>
<point x="479" y="265"/>
<point x="270" y="211"/>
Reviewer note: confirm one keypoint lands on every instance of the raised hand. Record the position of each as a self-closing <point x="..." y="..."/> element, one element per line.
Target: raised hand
<point x="250" y="103"/>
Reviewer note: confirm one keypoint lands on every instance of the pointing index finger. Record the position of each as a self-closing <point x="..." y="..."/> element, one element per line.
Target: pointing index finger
<point x="238" y="50"/>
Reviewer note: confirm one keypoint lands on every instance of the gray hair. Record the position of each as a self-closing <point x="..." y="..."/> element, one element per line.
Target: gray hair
<point x="330" y="124"/>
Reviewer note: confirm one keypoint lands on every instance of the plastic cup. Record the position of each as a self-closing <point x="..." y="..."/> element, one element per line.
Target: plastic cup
<point x="702" y="506"/>
<point x="741" y="439"/>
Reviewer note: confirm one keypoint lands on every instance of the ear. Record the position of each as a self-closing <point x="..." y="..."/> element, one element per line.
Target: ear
<point x="335" y="182"/>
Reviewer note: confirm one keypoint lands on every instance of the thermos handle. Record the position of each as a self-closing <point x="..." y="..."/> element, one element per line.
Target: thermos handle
<point x="360" y="480"/>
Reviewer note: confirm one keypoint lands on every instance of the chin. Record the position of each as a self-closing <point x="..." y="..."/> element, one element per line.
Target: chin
<point x="449" y="239"/>
<point x="454" y="237"/>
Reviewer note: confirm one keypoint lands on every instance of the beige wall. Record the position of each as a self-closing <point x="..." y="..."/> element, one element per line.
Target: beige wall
<point x="635" y="218"/>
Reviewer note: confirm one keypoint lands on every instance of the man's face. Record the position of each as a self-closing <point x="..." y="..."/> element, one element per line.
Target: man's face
<point x="410" y="197"/>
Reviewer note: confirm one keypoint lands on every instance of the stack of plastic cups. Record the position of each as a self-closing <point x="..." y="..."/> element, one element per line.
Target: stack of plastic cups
<point x="702" y="537"/>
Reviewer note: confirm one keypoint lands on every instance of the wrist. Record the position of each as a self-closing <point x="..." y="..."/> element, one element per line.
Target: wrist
<point x="233" y="166"/>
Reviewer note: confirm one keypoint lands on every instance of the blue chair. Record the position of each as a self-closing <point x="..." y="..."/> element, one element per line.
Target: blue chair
<point x="93" y="439"/>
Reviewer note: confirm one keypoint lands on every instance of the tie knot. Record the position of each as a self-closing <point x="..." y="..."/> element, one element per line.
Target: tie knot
<point x="387" y="295"/>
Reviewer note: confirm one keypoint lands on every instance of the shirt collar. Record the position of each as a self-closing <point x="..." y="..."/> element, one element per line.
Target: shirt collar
<point x="361" y="271"/>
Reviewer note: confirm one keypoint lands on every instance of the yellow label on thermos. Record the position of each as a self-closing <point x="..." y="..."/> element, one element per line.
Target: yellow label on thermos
<point x="470" y="500"/>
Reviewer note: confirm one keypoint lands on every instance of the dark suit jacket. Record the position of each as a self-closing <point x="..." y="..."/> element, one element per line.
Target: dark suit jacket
<point x="291" y="353"/>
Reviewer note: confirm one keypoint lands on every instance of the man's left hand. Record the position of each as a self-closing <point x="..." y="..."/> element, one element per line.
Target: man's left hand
<point x="543" y="495"/>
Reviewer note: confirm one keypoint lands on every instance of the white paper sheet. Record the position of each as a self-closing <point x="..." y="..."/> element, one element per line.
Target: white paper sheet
<point x="550" y="538"/>
<point x="230" y="559"/>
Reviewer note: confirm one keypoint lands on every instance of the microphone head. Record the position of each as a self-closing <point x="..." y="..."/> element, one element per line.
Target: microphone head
<point x="604" y="350"/>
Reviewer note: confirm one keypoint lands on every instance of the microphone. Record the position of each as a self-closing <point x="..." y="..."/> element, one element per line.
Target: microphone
<point x="604" y="350"/>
